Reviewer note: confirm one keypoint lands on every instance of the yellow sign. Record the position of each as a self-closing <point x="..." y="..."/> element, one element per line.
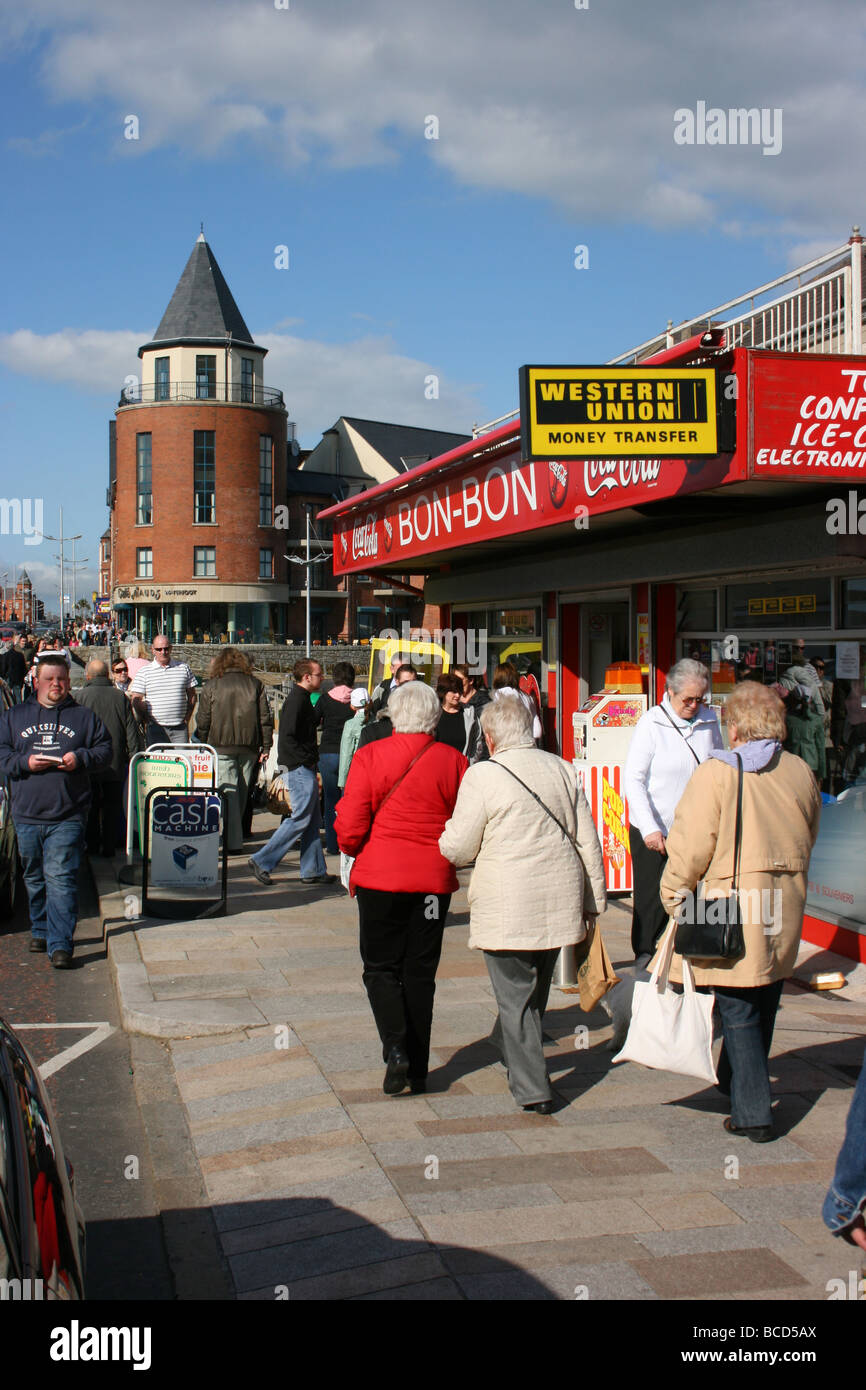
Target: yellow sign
<point x="786" y="603"/>
<point x="594" y="412"/>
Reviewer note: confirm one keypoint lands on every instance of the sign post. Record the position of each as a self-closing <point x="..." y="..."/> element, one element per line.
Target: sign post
<point x="182" y="854"/>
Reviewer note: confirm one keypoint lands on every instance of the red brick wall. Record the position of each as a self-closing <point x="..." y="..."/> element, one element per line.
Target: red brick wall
<point x="237" y="535"/>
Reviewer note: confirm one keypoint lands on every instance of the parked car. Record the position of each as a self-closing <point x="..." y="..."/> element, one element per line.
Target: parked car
<point x="8" y="840"/>
<point x="42" y="1234"/>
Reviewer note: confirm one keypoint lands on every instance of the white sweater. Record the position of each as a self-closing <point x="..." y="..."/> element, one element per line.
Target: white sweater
<point x="660" y="763"/>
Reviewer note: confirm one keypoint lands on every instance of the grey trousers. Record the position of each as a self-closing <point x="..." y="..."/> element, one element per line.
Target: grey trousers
<point x="521" y="983"/>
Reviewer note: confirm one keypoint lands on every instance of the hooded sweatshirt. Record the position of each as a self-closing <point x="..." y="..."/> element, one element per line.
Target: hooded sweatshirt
<point x="31" y="728"/>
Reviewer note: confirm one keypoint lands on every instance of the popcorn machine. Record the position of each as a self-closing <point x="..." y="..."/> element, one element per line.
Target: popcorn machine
<point x="602" y="732"/>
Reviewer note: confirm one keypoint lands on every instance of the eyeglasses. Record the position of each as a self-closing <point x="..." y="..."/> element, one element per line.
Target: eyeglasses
<point x="693" y="699"/>
<point x="162" y="649"/>
<point x="119" y="670"/>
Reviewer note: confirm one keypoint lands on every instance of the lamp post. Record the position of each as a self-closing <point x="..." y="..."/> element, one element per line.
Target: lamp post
<point x="62" y="557"/>
<point x="308" y="563"/>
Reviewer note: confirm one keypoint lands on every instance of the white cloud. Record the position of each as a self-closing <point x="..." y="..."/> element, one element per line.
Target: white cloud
<point x="321" y="381"/>
<point x="536" y="99"/>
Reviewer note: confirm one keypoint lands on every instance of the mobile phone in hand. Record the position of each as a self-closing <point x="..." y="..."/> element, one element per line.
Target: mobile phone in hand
<point x="50" y="757"/>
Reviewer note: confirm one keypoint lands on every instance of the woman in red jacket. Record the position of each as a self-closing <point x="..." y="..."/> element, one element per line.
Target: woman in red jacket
<point x="399" y="793"/>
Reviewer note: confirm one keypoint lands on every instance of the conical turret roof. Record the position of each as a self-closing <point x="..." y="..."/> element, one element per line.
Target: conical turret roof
<point x="202" y="308"/>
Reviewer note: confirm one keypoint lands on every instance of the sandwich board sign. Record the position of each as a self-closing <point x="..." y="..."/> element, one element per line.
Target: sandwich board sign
<point x="182" y="853"/>
<point x="151" y="770"/>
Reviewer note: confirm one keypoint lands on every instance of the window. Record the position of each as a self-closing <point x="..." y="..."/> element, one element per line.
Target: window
<point x="266" y="564"/>
<point x="778" y="605"/>
<point x="162" y="379"/>
<point x="205" y="378"/>
<point x="266" y="480"/>
<point x="204" y="561"/>
<point x="696" y="610"/>
<point x="247" y="378"/>
<point x="204" y="508"/>
<point x="143" y="480"/>
<point x="144" y="563"/>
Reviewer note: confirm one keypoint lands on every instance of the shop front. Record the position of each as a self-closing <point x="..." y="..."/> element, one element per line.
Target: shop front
<point x="237" y="614"/>
<point x="573" y="565"/>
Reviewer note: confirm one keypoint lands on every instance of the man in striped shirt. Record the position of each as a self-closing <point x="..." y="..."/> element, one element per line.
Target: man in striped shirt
<point x="163" y="695"/>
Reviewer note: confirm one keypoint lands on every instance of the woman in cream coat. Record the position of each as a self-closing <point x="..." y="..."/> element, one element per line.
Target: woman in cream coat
<point x="781" y="810"/>
<point x="531" y="892"/>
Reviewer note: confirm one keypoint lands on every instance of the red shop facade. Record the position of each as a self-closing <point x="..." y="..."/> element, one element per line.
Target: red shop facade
<point x="570" y="564"/>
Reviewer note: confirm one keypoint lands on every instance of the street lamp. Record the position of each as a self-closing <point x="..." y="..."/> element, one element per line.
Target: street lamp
<point x="308" y="563"/>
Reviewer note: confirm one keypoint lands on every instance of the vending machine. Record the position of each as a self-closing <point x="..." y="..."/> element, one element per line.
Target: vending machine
<point x="603" y="728"/>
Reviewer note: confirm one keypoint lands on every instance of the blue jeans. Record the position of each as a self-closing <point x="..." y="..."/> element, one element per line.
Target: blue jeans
<point x="846" y="1199"/>
<point x="51" y="853"/>
<point x="748" y="1016"/>
<point x="329" y="764"/>
<point x="303" y="826"/>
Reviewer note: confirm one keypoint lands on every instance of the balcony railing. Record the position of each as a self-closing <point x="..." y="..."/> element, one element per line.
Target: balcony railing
<point x="235" y="392"/>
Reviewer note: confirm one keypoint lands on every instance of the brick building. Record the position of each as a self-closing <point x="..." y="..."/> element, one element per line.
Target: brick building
<point x="18" y="603"/>
<point x="198" y="459"/>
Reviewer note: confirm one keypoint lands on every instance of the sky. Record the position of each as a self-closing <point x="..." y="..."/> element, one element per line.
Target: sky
<point x="431" y="169"/>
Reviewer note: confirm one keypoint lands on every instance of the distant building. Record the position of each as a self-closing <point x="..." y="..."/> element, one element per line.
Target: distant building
<point x="18" y="602"/>
<point x="198" y="460"/>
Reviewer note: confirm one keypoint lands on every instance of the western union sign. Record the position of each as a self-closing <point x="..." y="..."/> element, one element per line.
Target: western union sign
<point x="585" y="412"/>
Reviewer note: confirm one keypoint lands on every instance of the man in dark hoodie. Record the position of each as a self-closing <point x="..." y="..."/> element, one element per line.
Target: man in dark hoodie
<point x="48" y="745"/>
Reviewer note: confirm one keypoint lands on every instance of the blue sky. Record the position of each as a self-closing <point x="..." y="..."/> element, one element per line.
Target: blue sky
<point x="305" y="127"/>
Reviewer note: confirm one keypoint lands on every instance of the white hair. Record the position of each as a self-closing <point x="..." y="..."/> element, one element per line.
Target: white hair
<point x="413" y="708"/>
<point x="686" y="670"/>
<point x="508" y="724"/>
<point x="131" y="649"/>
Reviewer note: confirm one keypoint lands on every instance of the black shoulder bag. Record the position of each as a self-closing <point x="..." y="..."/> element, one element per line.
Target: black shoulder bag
<point x="712" y="928"/>
<point x="681" y="734"/>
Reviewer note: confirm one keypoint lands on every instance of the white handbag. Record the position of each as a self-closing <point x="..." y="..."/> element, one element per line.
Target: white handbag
<point x="670" y="1031"/>
<point x="346" y="863"/>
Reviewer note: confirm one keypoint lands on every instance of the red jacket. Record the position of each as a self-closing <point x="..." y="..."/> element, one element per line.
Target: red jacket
<point x="401" y="854"/>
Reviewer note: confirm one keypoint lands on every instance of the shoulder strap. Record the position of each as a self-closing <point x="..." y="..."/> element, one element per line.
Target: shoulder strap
<point x="391" y="790"/>
<point x="738" y="830"/>
<point x="543" y="805"/>
<point x="681" y="734"/>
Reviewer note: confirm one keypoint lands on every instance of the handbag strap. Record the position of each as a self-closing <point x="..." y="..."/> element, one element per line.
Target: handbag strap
<point x="738" y="830"/>
<point x="544" y="807"/>
<point x="391" y="790"/>
<point x="681" y="734"/>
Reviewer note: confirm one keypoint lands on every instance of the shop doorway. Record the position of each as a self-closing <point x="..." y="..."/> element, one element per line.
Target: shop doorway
<point x="594" y="634"/>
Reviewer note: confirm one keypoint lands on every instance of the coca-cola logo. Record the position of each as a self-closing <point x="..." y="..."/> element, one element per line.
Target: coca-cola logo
<point x="365" y="540"/>
<point x="389" y="533"/>
<point x="344" y="548"/>
<point x="557" y="481"/>
<point x="602" y="475"/>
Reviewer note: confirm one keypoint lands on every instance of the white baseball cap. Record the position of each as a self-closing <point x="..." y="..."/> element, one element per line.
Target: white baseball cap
<point x="359" y="698"/>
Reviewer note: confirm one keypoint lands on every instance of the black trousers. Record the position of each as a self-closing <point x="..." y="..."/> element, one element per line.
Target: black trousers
<point x="105" y="810"/>
<point x="649" y="918"/>
<point x="401" y="941"/>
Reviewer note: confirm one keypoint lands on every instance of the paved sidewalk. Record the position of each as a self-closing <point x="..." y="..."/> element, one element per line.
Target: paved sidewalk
<point x="323" y="1187"/>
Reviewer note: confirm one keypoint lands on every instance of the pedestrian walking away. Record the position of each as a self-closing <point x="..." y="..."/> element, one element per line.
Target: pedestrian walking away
<point x="333" y="712"/>
<point x="104" y="824"/>
<point x="353" y="728"/>
<point x="538" y="882"/>
<point x="399" y="794"/>
<point x="163" y="695"/>
<point x="234" y="717"/>
<point x="48" y="746"/>
<point x="781" y="807"/>
<point x="297" y="756"/>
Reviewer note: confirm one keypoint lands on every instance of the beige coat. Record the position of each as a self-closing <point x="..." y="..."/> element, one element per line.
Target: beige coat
<point x="529" y="890"/>
<point x="781" y="810"/>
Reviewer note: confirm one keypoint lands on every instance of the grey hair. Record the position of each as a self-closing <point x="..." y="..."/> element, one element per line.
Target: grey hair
<point x="414" y="708"/>
<point x="686" y="670"/>
<point x="508" y="724"/>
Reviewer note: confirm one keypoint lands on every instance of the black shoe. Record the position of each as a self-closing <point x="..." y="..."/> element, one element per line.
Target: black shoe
<point x="61" y="960"/>
<point x="38" y="945"/>
<point x="322" y="878"/>
<point x="261" y="874"/>
<point x="759" y="1134"/>
<point x="541" y="1107"/>
<point x="417" y="1085"/>
<point x="397" y="1072"/>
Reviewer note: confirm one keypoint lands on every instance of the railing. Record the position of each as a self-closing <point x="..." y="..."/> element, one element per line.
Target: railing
<point x="820" y="313"/>
<point x="236" y="393"/>
<point x="816" y="313"/>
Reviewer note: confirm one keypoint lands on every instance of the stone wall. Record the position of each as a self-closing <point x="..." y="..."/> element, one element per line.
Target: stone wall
<point x="276" y="659"/>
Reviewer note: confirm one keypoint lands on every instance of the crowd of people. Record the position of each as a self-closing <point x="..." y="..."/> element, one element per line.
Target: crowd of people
<point x="415" y="782"/>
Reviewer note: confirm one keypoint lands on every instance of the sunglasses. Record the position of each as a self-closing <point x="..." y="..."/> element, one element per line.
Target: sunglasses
<point x="120" y="670"/>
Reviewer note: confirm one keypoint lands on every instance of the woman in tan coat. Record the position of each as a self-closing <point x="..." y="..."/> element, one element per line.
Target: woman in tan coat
<point x="781" y="810"/>
<point x="532" y="891"/>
